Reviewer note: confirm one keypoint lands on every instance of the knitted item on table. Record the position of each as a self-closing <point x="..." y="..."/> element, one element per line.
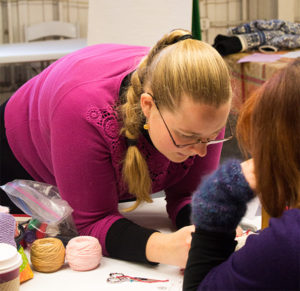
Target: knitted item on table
<point x="266" y="25"/>
<point x="277" y="34"/>
<point x="257" y="39"/>
<point x="220" y="200"/>
<point x="7" y="229"/>
<point x="226" y="45"/>
<point x="275" y="38"/>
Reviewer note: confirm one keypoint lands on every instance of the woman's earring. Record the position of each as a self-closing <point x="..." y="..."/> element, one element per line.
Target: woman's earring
<point x="146" y="126"/>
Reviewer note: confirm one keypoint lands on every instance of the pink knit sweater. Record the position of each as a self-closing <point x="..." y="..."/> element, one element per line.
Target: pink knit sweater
<point x="63" y="128"/>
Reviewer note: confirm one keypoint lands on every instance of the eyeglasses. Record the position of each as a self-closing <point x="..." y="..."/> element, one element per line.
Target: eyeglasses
<point x="199" y="141"/>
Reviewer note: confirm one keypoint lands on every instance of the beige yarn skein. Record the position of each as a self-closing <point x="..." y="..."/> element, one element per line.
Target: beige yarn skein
<point x="47" y="255"/>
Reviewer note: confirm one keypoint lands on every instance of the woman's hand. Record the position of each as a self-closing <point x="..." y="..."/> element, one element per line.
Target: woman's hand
<point x="170" y="248"/>
<point x="248" y="172"/>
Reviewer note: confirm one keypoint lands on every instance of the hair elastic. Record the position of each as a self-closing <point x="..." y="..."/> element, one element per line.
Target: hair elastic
<point x="184" y="37"/>
<point x="131" y="142"/>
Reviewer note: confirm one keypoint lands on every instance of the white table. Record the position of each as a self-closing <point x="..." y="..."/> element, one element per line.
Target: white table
<point x="149" y="215"/>
<point x="39" y="50"/>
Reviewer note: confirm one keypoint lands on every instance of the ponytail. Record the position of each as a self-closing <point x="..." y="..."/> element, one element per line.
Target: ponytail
<point x="135" y="169"/>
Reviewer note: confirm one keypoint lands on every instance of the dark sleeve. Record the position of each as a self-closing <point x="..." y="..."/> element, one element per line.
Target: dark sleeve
<point x="208" y="249"/>
<point x="183" y="217"/>
<point x="269" y="260"/>
<point x="126" y="240"/>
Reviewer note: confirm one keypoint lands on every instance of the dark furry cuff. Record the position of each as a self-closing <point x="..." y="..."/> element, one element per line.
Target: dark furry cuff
<point x="220" y="201"/>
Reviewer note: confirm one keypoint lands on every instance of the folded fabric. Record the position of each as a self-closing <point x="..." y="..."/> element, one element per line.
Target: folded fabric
<point x="7" y="229"/>
<point x="219" y="202"/>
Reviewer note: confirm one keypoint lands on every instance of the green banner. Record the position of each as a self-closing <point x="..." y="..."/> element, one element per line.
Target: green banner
<point x="196" y="27"/>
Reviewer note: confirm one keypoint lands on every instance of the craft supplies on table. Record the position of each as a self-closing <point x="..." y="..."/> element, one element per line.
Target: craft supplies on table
<point x="96" y="279"/>
<point x="25" y="269"/>
<point x="146" y="215"/>
<point x="120" y="277"/>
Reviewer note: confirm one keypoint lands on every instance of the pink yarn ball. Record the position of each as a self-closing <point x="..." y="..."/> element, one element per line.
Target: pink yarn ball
<point x="83" y="253"/>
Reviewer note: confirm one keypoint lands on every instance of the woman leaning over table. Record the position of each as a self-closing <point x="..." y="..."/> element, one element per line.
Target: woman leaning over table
<point x="114" y="122"/>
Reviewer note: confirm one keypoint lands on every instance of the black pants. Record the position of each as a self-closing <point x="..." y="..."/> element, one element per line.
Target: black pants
<point x="10" y="168"/>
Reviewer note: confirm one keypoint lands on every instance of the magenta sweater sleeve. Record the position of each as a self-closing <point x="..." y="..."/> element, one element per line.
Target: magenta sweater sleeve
<point x="66" y="133"/>
<point x="83" y="170"/>
<point x="86" y="178"/>
<point x="179" y="195"/>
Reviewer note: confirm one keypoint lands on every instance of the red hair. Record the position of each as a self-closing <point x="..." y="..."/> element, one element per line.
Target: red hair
<point x="269" y="129"/>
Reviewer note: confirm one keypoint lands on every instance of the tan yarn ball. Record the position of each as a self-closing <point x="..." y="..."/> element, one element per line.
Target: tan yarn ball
<point x="47" y="255"/>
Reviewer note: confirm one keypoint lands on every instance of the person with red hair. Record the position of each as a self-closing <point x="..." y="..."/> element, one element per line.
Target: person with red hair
<point x="268" y="129"/>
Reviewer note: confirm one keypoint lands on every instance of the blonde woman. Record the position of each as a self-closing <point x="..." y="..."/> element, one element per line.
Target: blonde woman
<point x="113" y="122"/>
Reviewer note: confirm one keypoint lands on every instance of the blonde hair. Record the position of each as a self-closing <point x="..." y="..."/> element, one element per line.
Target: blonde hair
<point x="172" y="68"/>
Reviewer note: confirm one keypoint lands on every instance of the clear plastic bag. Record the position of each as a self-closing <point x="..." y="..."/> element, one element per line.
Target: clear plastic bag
<point x="39" y="200"/>
<point x="42" y="202"/>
